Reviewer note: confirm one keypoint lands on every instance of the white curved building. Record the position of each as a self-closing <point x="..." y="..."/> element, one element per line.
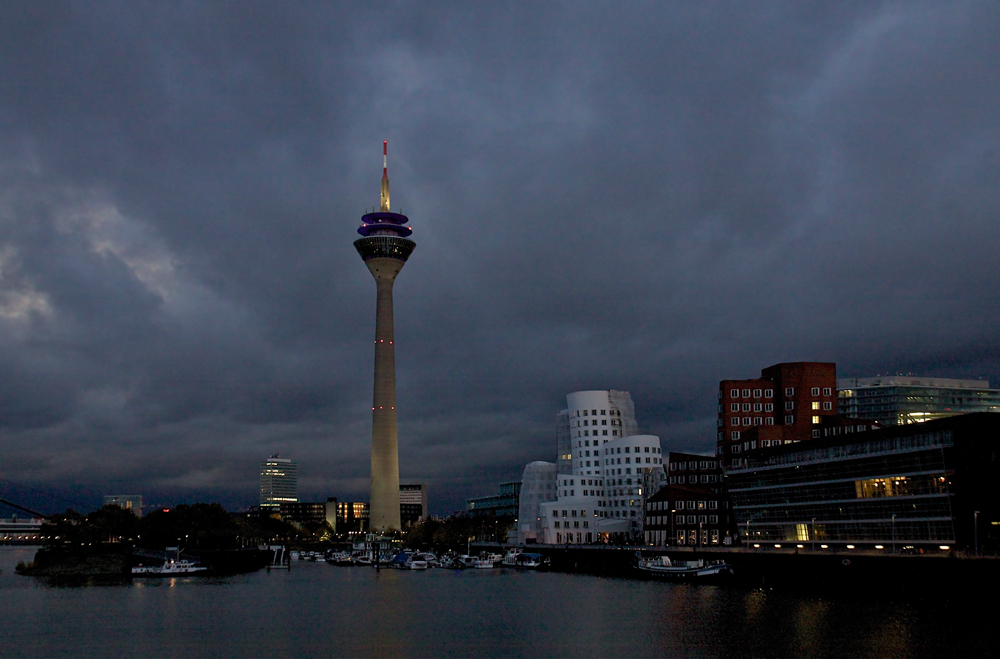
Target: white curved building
<point x="538" y="485"/>
<point x="612" y="470"/>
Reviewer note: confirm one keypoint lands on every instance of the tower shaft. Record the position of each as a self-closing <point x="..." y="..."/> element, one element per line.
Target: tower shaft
<point x="384" y="504"/>
<point x="384" y="249"/>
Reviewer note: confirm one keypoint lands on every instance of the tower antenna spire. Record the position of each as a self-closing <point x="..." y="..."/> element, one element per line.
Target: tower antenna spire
<point x="385" y="177"/>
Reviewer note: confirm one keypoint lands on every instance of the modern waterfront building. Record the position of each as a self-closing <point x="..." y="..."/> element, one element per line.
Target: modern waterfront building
<point x="538" y="485"/>
<point x="279" y="483"/>
<point x="385" y="248"/>
<point x="131" y="502"/>
<point x="899" y="400"/>
<point x="918" y="487"/>
<point x="412" y="502"/>
<point x="503" y="504"/>
<point x="611" y="471"/>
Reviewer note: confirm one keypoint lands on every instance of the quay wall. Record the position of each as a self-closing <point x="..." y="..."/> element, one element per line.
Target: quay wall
<point x="791" y="570"/>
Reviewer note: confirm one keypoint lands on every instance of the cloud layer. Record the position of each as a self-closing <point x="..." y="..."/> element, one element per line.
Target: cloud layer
<point x="649" y="197"/>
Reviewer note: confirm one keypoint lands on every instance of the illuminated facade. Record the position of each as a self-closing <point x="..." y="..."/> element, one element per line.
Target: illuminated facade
<point x="352" y="516"/>
<point x="925" y="487"/>
<point x="279" y="483"/>
<point x="385" y="248"/>
<point x="900" y="400"/>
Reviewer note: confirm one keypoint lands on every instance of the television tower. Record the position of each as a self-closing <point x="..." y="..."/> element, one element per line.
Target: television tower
<point x="384" y="248"/>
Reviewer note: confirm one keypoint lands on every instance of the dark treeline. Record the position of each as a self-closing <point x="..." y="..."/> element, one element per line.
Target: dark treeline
<point x="455" y="531"/>
<point x="204" y="526"/>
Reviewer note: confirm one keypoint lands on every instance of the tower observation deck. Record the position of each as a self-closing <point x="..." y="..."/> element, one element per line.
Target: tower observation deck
<point x="384" y="247"/>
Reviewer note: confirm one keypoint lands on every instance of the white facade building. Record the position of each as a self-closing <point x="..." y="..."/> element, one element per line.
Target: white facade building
<point x="538" y="485"/>
<point x="612" y="470"/>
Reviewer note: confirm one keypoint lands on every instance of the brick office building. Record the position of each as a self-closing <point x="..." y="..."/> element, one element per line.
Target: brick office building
<point x="785" y="404"/>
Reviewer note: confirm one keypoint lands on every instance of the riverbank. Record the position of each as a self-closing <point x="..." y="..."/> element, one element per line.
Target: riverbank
<point x="115" y="560"/>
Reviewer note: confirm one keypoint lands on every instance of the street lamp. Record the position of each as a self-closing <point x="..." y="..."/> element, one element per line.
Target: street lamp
<point x="894" y="533"/>
<point x="975" y="529"/>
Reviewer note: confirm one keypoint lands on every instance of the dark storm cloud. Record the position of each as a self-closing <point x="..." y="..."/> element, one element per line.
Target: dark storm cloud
<point x="644" y="196"/>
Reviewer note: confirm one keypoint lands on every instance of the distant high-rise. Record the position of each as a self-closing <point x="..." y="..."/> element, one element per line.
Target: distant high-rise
<point x="384" y="248"/>
<point x="412" y="502"/>
<point x="131" y="502"/>
<point x="279" y="483"/>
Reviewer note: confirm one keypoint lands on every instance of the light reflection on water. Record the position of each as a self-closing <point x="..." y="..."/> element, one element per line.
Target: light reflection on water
<point x="319" y="610"/>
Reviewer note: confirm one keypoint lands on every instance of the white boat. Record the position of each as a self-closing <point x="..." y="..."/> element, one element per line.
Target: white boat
<point x="170" y="568"/>
<point x="416" y="564"/>
<point x="663" y="567"/>
<point x="518" y="558"/>
<point x="487" y="561"/>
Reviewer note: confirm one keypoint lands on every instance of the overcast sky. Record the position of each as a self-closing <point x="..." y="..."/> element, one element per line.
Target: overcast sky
<point x="640" y="196"/>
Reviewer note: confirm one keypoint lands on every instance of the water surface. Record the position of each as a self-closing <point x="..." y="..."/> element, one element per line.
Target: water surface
<point x="317" y="610"/>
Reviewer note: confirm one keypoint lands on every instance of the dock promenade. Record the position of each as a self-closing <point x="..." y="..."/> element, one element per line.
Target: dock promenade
<point x="798" y="569"/>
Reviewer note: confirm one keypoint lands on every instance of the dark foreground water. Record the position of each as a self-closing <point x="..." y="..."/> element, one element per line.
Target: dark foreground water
<point x="317" y="610"/>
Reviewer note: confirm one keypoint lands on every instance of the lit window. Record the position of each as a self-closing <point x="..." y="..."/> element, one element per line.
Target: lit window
<point x="815" y="419"/>
<point x="815" y="404"/>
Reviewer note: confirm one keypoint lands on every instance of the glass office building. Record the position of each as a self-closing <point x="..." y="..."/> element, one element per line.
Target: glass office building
<point x="930" y="487"/>
<point x="279" y="483"/>
<point x="900" y="400"/>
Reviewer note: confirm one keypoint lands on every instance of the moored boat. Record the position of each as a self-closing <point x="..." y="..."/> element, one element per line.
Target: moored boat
<point x="518" y="558"/>
<point x="170" y="568"/>
<point x="662" y="567"/>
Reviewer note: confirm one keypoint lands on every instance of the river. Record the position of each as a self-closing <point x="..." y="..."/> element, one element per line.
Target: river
<point x="317" y="610"/>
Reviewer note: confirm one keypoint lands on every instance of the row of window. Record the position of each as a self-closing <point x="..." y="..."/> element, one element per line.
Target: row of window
<point x="587" y="433"/>
<point x="705" y="478"/>
<point x="683" y="519"/>
<point x="755" y="407"/>
<point x="583" y="481"/>
<point x="576" y="524"/>
<point x="703" y="464"/>
<point x="769" y="393"/>
<point x="627" y="461"/>
<point x="604" y="422"/>
<point x="757" y="421"/>
<point x="576" y="413"/>
<point x="571" y="513"/>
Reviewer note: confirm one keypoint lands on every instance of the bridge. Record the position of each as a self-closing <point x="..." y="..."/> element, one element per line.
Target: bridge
<point x="17" y="530"/>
